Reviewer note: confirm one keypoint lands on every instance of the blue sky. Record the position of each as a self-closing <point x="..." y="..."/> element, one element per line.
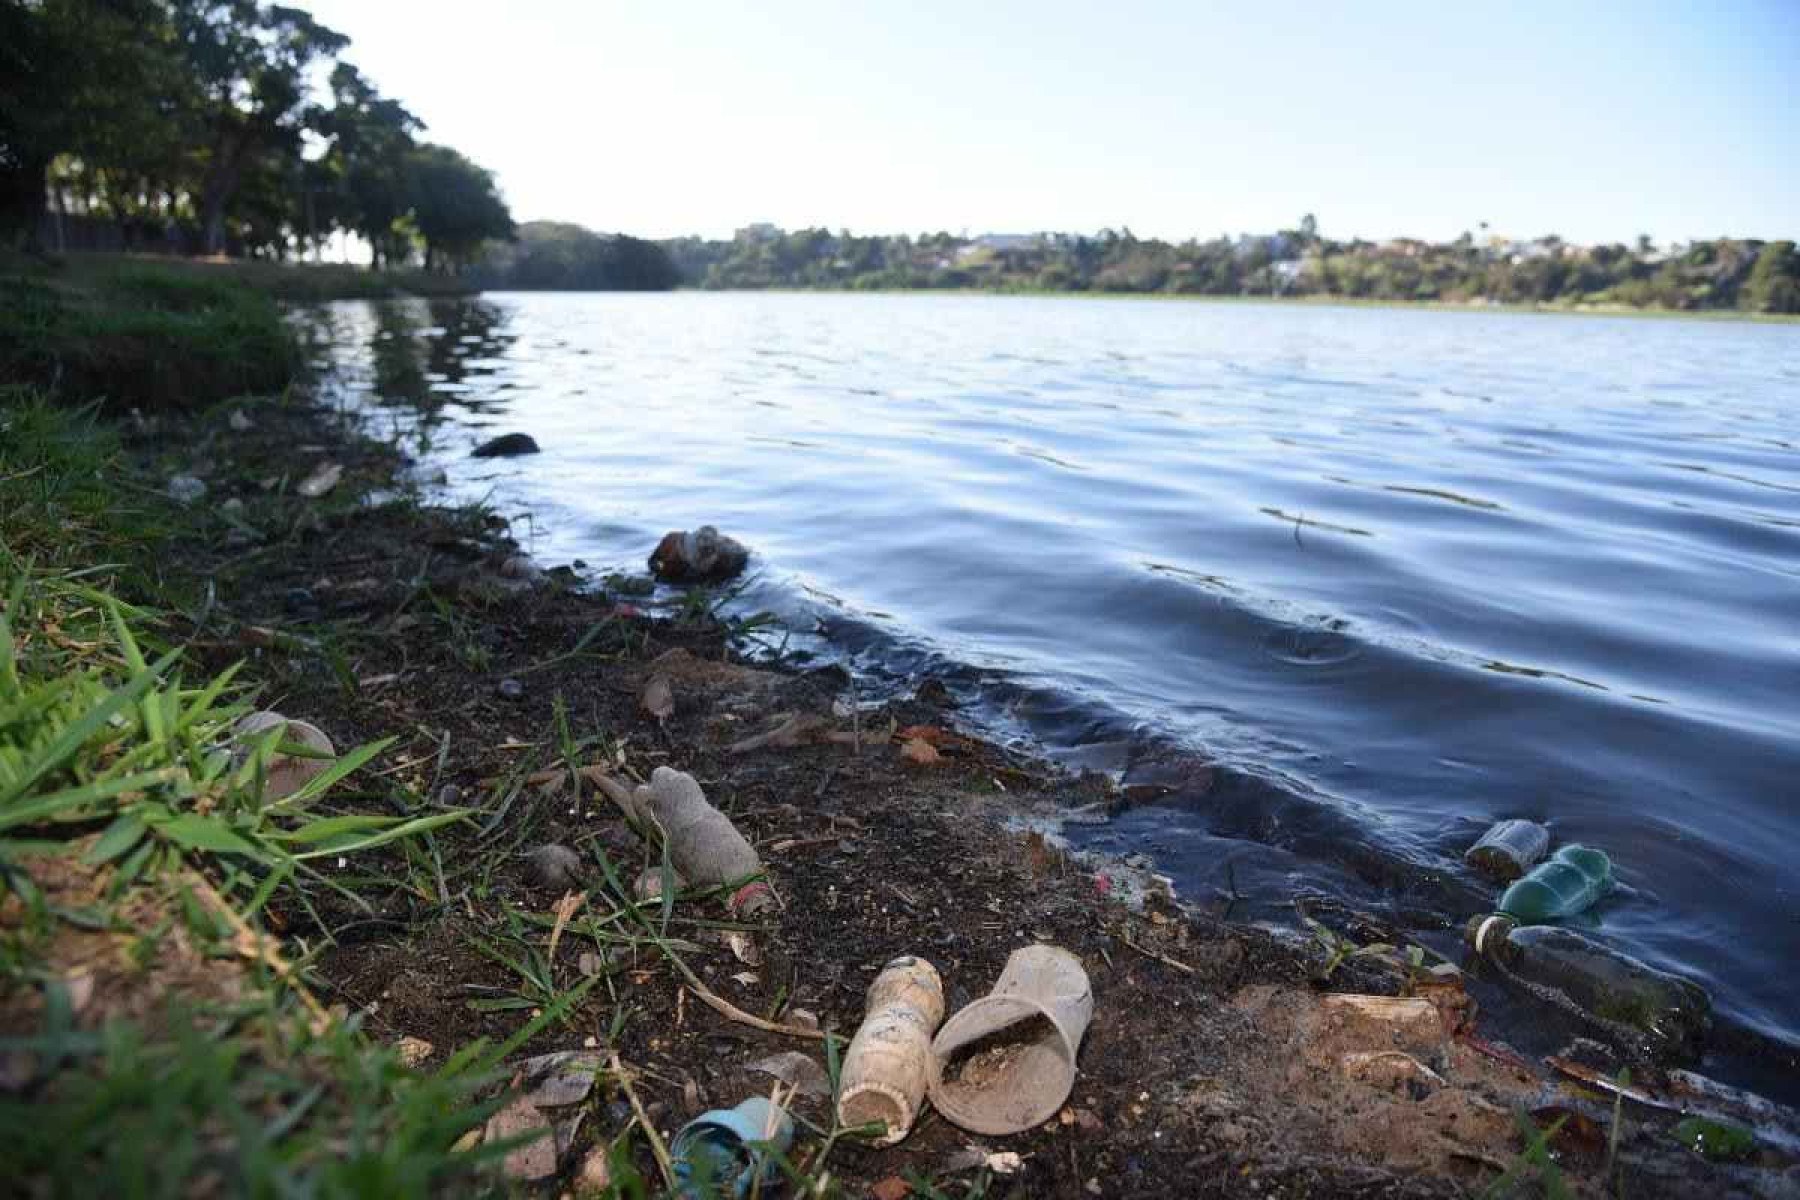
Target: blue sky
<point x="1597" y="121"/>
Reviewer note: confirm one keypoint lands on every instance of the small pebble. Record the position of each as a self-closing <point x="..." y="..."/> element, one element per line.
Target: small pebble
<point x="510" y="689"/>
<point x="556" y="867"/>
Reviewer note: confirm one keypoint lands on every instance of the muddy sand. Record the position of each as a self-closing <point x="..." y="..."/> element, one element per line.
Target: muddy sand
<point x="1219" y="1060"/>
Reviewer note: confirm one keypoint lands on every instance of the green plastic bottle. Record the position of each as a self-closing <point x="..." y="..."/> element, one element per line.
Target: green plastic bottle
<point x="1563" y="885"/>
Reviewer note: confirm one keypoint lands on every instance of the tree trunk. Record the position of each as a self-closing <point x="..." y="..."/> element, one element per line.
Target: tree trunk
<point x="220" y="184"/>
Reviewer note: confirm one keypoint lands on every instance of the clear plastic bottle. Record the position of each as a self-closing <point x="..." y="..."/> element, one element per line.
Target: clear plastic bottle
<point x="1509" y="849"/>
<point x="1567" y="883"/>
<point x="1595" y="978"/>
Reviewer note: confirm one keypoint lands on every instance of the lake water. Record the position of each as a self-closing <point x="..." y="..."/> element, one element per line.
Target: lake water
<point x="1398" y="573"/>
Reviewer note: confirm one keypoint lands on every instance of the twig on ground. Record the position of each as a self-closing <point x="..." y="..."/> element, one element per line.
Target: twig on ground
<point x="1161" y="958"/>
<point x="657" y="1149"/>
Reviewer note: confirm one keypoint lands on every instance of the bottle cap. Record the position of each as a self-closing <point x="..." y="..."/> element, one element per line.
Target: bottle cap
<point x="1485" y="932"/>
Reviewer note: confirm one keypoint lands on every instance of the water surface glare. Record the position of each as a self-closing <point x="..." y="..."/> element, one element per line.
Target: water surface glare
<point x="1418" y="569"/>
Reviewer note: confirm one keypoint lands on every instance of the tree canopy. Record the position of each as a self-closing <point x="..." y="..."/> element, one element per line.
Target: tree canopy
<point x="199" y="125"/>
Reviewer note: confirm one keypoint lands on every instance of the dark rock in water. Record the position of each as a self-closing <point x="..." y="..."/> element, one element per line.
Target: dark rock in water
<point x="555" y="867"/>
<point x="507" y="445"/>
<point x="702" y="556"/>
<point x="510" y="689"/>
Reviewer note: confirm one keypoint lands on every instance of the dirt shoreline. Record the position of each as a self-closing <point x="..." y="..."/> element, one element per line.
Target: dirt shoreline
<point x="1214" y="1065"/>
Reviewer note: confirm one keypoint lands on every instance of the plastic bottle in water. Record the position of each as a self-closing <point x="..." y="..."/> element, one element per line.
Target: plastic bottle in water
<point x="1595" y="978"/>
<point x="1509" y="849"/>
<point x="1565" y="884"/>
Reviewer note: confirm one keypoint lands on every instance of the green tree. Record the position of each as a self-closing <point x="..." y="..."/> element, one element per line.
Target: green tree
<point x="75" y="75"/>
<point x="248" y="67"/>
<point x="371" y="149"/>
<point x="455" y="205"/>
<point x="1774" y="283"/>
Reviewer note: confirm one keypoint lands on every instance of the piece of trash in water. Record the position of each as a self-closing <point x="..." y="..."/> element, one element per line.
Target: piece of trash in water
<point x="791" y="1066"/>
<point x="1007" y="1061"/>
<point x="506" y="445"/>
<point x="703" y="555"/>
<point x="555" y="867"/>
<point x="889" y="1065"/>
<point x="1595" y="978"/>
<point x="1509" y="849"/>
<point x="323" y="478"/>
<point x="729" y="1150"/>
<point x="284" y="773"/>
<point x="703" y="843"/>
<point x="240" y="421"/>
<point x="1569" y="882"/>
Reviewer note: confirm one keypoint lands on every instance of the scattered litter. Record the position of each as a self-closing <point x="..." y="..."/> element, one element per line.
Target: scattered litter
<point x="658" y="699"/>
<point x="1004" y="1162"/>
<point x="1509" y="849"/>
<point x="1006" y="1062"/>
<point x="185" y="489"/>
<point x="743" y="948"/>
<point x="520" y="566"/>
<point x="510" y="689"/>
<point x="891" y="1188"/>
<point x="323" y="478"/>
<point x="1597" y="980"/>
<point x="703" y="555"/>
<point x="649" y="884"/>
<point x="283" y="774"/>
<point x="594" y="1177"/>
<point x="1391" y="1070"/>
<point x="746" y="979"/>
<point x="1570" y="882"/>
<point x="889" y="1064"/>
<point x="555" y="867"/>
<point x="920" y="753"/>
<point x="507" y="445"/>
<point x="729" y="1150"/>
<point x="240" y="421"/>
<point x="565" y="1077"/>
<point x="413" y="1051"/>
<point x="534" y="1160"/>
<point x="590" y="964"/>
<point x="794" y="730"/>
<point x="703" y="844"/>
<point x="795" y="1068"/>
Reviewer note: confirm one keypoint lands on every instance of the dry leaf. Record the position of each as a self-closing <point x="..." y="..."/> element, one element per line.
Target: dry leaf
<point x="804" y="1074"/>
<point x="743" y="946"/>
<point x="322" y="480"/>
<point x="746" y="978"/>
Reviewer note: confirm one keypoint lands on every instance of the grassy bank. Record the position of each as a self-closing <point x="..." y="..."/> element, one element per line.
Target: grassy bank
<point x="205" y="991"/>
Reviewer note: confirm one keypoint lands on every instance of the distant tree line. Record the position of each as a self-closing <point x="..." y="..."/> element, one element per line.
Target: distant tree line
<point x="1726" y="273"/>
<point x="196" y="125"/>
<point x="554" y="256"/>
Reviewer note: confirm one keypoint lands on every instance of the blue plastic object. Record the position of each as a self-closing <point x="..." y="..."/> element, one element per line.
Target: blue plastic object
<point x="727" y="1148"/>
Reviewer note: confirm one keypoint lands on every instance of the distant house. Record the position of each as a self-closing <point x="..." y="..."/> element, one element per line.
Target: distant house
<point x="1003" y="243"/>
